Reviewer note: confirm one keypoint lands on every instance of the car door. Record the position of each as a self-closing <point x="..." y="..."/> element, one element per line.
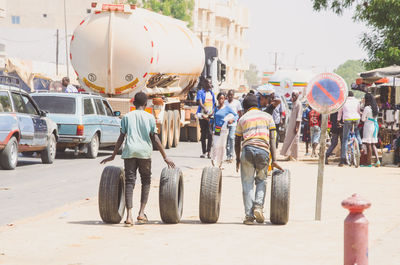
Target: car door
<point x="102" y="117"/>
<point x="39" y="124"/>
<point x="113" y="123"/>
<point x="25" y="121"/>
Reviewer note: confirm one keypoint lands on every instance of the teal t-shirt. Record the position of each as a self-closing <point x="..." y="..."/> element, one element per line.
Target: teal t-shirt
<point x="137" y="126"/>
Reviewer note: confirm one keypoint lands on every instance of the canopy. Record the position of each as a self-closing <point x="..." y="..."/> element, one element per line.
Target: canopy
<point x="376" y="74"/>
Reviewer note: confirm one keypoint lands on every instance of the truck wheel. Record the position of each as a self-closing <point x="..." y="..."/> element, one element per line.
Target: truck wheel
<point x="171" y="129"/>
<point x="280" y="197"/>
<point x="49" y="154"/>
<point x="194" y="132"/>
<point x="171" y="195"/>
<point x="163" y="134"/>
<point x="210" y="194"/>
<point x="93" y="147"/>
<point x="9" y="155"/>
<point x="112" y="195"/>
<point x="177" y="126"/>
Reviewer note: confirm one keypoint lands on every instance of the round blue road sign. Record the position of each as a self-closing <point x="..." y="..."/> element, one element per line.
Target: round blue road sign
<point x="326" y="93"/>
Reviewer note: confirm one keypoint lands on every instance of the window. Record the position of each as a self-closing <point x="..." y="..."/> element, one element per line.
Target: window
<point x="15" y="20"/>
<point x="99" y="107"/>
<point x="88" y="106"/>
<point x="108" y="108"/>
<point x="5" y="103"/>
<point x="18" y="103"/>
<point x="88" y="11"/>
<point x="54" y="104"/>
<point x="44" y="15"/>
<point x="29" y="107"/>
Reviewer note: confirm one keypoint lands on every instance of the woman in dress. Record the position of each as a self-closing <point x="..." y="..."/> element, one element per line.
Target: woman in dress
<point x="223" y="116"/>
<point x="371" y="128"/>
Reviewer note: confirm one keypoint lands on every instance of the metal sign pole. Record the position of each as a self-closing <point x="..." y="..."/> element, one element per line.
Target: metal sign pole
<point x="321" y="166"/>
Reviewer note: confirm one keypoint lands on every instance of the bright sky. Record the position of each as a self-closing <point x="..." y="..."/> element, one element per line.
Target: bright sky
<point x="290" y="27"/>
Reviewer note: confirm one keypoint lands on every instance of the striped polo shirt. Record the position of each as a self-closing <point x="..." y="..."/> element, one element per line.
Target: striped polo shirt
<point x="254" y="126"/>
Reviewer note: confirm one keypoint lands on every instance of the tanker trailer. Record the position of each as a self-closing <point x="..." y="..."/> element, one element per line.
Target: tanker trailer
<point x="120" y="50"/>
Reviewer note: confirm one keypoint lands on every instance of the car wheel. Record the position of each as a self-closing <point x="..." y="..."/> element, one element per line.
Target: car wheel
<point x="9" y="155"/>
<point x="93" y="147"/>
<point x="49" y="154"/>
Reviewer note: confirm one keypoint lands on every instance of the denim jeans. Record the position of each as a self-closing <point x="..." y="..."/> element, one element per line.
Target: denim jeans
<point x="230" y="142"/>
<point x="346" y="130"/>
<point x="253" y="169"/>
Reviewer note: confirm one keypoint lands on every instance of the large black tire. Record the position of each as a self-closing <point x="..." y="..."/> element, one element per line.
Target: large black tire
<point x="112" y="195"/>
<point x="195" y="132"/>
<point x="171" y="195"/>
<point x="49" y="154"/>
<point x="177" y="127"/>
<point x="93" y="147"/>
<point x="280" y="197"/>
<point x="171" y="129"/>
<point x="163" y="133"/>
<point x="210" y="194"/>
<point x="9" y="155"/>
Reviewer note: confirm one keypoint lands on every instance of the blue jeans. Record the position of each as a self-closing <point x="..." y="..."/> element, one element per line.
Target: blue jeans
<point x="346" y="131"/>
<point x="253" y="168"/>
<point x="230" y="142"/>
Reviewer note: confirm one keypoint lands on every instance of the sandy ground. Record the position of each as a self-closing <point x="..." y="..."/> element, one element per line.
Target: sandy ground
<point x="75" y="234"/>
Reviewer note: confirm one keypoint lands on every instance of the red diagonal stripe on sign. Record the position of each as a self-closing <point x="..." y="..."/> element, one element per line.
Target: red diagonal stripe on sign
<point x="326" y="92"/>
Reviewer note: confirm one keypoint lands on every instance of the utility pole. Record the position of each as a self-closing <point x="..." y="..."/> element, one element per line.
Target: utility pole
<point x="57" y="45"/>
<point x="276" y="61"/>
<point x="66" y="37"/>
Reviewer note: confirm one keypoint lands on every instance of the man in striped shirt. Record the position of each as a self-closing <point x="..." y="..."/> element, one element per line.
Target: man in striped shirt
<point x="255" y="128"/>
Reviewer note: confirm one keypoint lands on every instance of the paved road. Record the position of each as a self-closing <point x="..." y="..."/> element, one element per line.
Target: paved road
<point x="33" y="188"/>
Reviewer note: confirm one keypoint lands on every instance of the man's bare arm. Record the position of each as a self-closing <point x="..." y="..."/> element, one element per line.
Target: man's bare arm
<point x="272" y="143"/>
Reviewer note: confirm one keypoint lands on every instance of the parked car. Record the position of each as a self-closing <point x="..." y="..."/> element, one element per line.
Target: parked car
<point x="24" y="127"/>
<point x="85" y="122"/>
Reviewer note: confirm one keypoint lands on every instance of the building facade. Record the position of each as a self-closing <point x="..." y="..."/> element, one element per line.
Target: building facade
<point x="222" y="24"/>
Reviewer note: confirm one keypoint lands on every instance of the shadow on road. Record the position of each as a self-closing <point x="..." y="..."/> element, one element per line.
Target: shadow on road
<point x="22" y="163"/>
<point x="159" y="222"/>
<point x="70" y="155"/>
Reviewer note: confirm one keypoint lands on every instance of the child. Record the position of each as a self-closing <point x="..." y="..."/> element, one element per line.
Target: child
<point x="138" y="129"/>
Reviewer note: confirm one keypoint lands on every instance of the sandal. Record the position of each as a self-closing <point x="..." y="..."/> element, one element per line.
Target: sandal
<point x="128" y="224"/>
<point x="142" y="220"/>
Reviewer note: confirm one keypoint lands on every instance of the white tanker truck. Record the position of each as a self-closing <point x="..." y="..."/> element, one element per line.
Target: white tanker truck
<point x="120" y="50"/>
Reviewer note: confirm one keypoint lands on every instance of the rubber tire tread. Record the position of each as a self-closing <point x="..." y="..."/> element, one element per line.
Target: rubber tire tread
<point x="45" y="155"/>
<point x="210" y="194"/>
<point x="171" y="204"/>
<point x="177" y="128"/>
<point x="163" y="134"/>
<point x="280" y="197"/>
<point x="93" y="153"/>
<point x="111" y="206"/>
<point x="5" y="162"/>
<point x="171" y="130"/>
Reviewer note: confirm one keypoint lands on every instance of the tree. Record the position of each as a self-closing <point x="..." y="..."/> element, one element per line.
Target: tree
<point x="382" y="17"/>
<point x="179" y="9"/>
<point x="251" y="76"/>
<point x="349" y="71"/>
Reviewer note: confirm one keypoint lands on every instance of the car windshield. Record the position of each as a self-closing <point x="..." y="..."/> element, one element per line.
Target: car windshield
<point x="56" y="104"/>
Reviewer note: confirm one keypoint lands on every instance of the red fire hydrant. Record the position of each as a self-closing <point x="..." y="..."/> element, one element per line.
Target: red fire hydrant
<point x="356" y="231"/>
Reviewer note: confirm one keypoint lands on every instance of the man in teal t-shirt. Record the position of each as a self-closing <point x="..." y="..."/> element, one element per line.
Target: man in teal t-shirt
<point x="138" y="129"/>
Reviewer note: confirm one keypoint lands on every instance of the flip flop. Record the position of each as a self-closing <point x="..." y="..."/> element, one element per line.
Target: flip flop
<point x="128" y="224"/>
<point x="142" y="220"/>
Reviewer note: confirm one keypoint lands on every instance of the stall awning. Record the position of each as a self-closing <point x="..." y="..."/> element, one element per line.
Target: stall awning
<point x="376" y="74"/>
